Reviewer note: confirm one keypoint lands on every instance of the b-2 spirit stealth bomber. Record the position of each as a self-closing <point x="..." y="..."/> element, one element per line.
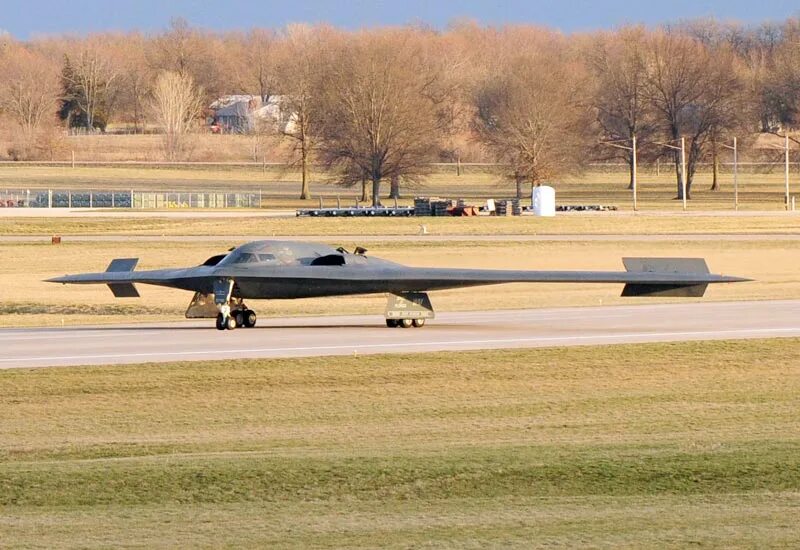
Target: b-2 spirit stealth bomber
<point x="275" y="269"/>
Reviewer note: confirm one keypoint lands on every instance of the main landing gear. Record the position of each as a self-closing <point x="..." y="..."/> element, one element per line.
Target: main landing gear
<point x="408" y="309"/>
<point x="405" y="323"/>
<point x="243" y="317"/>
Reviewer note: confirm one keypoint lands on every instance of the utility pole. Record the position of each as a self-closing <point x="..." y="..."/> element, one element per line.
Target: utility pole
<point x="682" y="149"/>
<point x="786" y="170"/>
<point x="735" y="172"/>
<point x="683" y="171"/>
<point x="632" y="149"/>
<point x="735" y="175"/>
<point x="633" y="159"/>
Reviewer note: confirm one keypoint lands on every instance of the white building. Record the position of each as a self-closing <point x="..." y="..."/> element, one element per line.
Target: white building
<point x="244" y="114"/>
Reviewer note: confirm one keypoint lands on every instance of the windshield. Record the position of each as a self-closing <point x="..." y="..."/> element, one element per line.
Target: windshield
<point x="247" y="258"/>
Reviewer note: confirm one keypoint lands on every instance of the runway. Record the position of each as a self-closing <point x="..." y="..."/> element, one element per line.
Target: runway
<point x="354" y="335"/>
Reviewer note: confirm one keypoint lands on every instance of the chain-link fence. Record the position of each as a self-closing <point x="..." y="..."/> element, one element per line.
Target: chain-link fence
<point x="71" y="198"/>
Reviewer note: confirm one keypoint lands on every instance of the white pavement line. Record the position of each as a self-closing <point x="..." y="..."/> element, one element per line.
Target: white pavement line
<point x="55" y="335"/>
<point x="592" y="338"/>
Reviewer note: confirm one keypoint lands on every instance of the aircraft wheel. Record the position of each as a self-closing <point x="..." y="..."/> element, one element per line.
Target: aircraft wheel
<point x="406" y="323"/>
<point x="419" y="322"/>
<point x="391" y="323"/>
<point x="231" y="322"/>
<point x="238" y="316"/>
<point x="250" y="318"/>
<point x="221" y="322"/>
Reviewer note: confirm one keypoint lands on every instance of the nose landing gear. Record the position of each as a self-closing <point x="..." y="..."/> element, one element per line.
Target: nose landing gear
<point x="232" y="311"/>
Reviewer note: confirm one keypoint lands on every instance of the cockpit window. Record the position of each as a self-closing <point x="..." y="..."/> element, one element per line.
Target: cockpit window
<point x="245" y="258"/>
<point x="239" y="257"/>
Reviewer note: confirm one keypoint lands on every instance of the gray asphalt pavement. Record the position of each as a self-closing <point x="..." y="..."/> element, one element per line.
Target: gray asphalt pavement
<point x="353" y="335"/>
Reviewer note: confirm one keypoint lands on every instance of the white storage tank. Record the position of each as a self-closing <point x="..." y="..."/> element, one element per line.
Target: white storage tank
<point x="544" y="201"/>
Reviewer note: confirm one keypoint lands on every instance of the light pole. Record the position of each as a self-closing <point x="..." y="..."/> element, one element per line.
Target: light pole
<point x="635" y="171"/>
<point x="632" y="149"/>
<point x="786" y="170"/>
<point x="683" y="171"/>
<point x="735" y="173"/>
<point x="682" y="149"/>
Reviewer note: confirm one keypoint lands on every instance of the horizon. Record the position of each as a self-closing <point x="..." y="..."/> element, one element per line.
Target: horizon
<point x="43" y="18"/>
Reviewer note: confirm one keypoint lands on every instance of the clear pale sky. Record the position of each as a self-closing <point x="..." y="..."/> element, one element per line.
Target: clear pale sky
<point x="25" y="19"/>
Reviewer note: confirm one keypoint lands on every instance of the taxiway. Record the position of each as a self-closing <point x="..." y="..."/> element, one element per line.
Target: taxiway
<point x="352" y="335"/>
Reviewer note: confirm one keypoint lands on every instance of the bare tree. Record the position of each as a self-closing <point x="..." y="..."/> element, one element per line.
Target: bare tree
<point x="619" y="67"/>
<point x="28" y="93"/>
<point x="176" y="104"/>
<point x="379" y="121"/>
<point x="89" y="84"/>
<point x="694" y="94"/>
<point x="783" y="84"/>
<point x="190" y="51"/>
<point x="135" y="80"/>
<point x="528" y="117"/>
<point x="255" y="62"/>
<point x="300" y="67"/>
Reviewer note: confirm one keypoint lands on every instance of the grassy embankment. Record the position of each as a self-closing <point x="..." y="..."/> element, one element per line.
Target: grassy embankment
<point x="29" y="301"/>
<point x="659" y="445"/>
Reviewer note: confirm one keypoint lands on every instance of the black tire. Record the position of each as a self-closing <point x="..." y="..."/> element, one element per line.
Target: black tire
<point x="238" y="316"/>
<point x="250" y="318"/>
<point x="419" y="323"/>
<point x="406" y="323"/>
<point x="391" y="323"/>
<point x="231" y="324"/>
<point x="220" y="322"/>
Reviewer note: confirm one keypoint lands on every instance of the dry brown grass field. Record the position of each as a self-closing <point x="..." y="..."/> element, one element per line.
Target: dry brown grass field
<point x="241" y="223"/>
<point x="639" y="446"/>
<point x="29" y="301"/>
<point x="280" y="187"/>
<point x="659" y="445"/>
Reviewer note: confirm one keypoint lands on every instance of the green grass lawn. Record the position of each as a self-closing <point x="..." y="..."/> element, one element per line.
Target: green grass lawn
<point x="658" y="445"/>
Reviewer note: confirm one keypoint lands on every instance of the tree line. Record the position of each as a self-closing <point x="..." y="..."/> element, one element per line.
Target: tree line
<point x="376" y="106"/>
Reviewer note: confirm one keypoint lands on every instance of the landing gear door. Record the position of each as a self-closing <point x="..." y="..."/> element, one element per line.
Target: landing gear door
<point x="202" y="306"/>
<point x="409" y="305"/>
